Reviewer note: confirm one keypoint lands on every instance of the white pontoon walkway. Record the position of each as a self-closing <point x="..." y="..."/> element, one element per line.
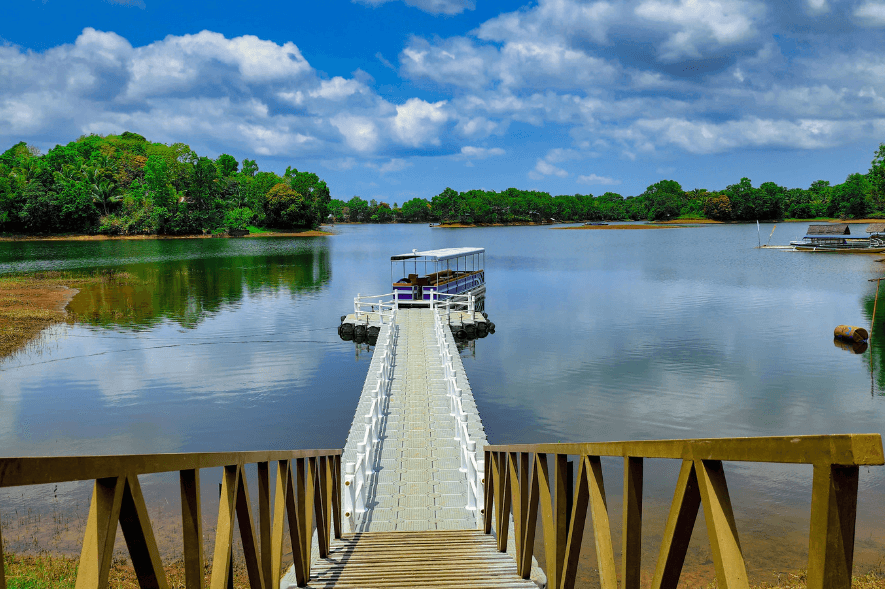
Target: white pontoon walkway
<point x="417" y="484"/>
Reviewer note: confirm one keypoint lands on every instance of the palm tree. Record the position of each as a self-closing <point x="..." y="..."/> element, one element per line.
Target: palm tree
<point x="105" y="192"/>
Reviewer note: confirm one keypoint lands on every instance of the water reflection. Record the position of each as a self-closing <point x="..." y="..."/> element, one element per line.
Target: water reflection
<point x="850" y="346"/>
<point x="187" y="291"/>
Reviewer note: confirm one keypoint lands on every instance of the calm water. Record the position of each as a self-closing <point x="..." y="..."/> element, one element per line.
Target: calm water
<point x="601" y="335"/>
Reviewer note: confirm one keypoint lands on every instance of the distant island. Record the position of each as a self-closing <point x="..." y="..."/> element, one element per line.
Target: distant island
<point x="125" y="185"/>
<point x="860" y="196"/>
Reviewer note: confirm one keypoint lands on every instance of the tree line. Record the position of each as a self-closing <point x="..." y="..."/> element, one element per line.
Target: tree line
<point x="861" y="195"/>
<point x="124" y="185"/>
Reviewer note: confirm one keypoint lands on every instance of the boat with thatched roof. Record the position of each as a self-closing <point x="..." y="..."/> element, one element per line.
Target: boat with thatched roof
<point x="836" y="237"/>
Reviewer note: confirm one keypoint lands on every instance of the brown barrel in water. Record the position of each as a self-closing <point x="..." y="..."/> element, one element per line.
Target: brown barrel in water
<point x="851" y="333"/>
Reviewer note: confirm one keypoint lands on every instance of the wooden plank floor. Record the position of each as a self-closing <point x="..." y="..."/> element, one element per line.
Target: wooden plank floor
<point x="437" y="559"/>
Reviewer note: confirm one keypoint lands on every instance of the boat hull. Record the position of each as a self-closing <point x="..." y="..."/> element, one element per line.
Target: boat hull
<point x="838" y="250"/>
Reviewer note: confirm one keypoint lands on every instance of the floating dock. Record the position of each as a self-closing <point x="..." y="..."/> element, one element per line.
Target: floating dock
<point x="417" y="483"/>
<point x="413" y="461"/>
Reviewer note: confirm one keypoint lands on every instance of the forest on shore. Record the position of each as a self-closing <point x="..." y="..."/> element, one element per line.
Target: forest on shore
<point x="861" y="195"/>
<point x="126" y="185"/>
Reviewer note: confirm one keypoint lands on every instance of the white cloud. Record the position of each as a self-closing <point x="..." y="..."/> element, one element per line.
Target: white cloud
<point x="545" y="168"/>
<point x="338" y="89"/>
<point x="417" y="122"/>
<point x="594" y="179"/>
<point x="700" y="22"/>
<point x="817" y="6"/>
<point x="480" y="152"/>
<point x="431" y="6"/>
<point x="704" y="137"/>
<point x="395" y="165"/>
<point x="361" y="133"/>
<point x="871" y="13"/>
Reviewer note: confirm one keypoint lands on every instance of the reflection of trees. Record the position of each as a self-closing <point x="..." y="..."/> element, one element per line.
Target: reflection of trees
<point x="877" y="341"/>
<point x="186" y="291"/>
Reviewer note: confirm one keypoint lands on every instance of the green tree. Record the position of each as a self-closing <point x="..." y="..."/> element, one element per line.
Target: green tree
<point x="359" y="209"/>
<point x="250" y="168"/>
<point x="286" y="208"/>
<point x="104" y="192"/>
<point x="227" y="165"/>
<point x="664" y="200"/>
<point x="877" y="177"/>
<point x="849" y="199"/>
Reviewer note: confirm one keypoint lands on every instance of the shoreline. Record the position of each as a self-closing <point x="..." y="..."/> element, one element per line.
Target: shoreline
<point x="623" y="226"/>
<point x="31" y="303"/>
<point x="84" y="237"/>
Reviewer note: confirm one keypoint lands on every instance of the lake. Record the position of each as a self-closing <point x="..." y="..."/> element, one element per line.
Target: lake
<point x="224" y="344"/>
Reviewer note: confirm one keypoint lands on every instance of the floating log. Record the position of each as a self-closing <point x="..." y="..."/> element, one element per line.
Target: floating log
<point x="851" y="333"/>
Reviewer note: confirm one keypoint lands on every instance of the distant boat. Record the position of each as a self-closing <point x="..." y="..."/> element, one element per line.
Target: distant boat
<point x="595" y="223"/>
<point x="836" y="238"/>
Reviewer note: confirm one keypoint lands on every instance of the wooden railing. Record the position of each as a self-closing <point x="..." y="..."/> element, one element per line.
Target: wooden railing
<point x="307" y="494"/>
<point x="512" y="487"/>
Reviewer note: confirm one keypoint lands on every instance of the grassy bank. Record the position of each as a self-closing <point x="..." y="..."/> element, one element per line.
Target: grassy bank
<point x="45" y="571"/>
<point x="29" y="303"/>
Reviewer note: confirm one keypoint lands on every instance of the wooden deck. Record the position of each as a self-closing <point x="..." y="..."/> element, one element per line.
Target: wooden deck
<point x="438" y="559"/>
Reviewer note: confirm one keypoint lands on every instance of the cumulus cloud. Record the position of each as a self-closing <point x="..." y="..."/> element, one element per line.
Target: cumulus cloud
<point x="545" y="168"/>
<point x="704" y="137"/>
<point x="417" y="122"/>
<point x="431" y="6"/>
<point x="256" y="94"/>
<point x="871" y="13"/>
<point x="698" y="23"/>
<point x="597" y="180"/>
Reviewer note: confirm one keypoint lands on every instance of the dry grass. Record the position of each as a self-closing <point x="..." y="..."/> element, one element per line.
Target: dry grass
<point x="46" y="570"/>
<point x="874" y="579"/>
<point x="29" y="303"/>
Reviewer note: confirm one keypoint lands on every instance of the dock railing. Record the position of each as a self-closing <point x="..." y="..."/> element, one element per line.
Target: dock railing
<point x="385" y="305"/>
<point x="357" y="474"/>
<point x="473" y="469"/>
<point x="306" y="494"/>
<point x="513" y="487"/>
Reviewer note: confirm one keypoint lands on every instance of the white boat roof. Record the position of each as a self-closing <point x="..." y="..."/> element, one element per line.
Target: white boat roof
<point x="440" y="254"/>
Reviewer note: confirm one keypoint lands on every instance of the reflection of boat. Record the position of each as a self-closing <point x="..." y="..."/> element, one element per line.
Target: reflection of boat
<point x="853" y="347"/>
<point x="836" y="237"/>
<point x="433" y="275"/>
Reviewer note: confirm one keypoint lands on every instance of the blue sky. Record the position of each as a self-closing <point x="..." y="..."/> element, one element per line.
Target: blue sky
<point x="392" y="99"/>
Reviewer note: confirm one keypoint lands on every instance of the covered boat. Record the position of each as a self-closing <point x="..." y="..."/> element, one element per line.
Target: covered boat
<point x="836" y="237"/>
<point x="421" y="277"/>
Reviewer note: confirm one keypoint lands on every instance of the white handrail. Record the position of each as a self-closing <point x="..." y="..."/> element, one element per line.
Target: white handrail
<point x="473" y="468"/>
<point x="386" y="308"/>
<point x="358" y="473"/>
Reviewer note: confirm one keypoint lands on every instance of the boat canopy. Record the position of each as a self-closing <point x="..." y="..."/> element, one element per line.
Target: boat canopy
<point x="876" y="228"/>
<point x="829" y="229"/>
<point x="440" y="254"/>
